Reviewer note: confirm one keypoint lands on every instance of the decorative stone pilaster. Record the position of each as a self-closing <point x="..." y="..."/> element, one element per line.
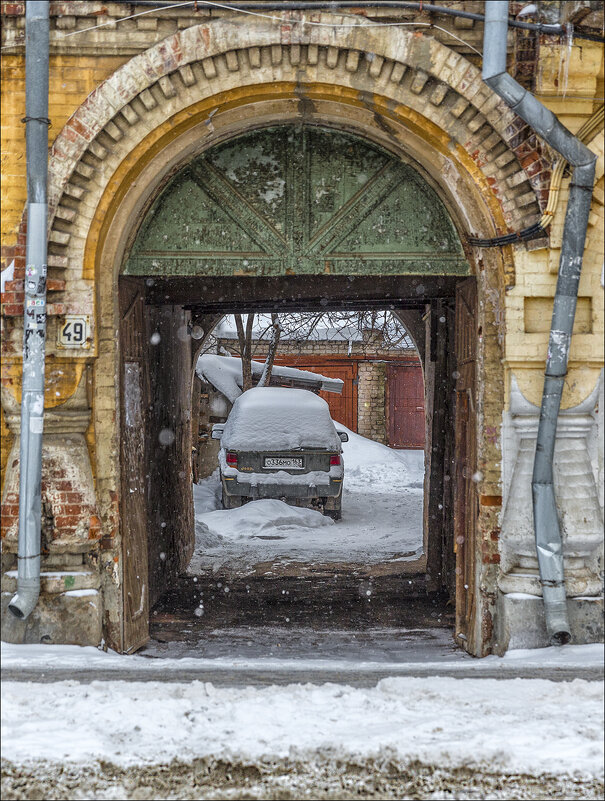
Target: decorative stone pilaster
<point x="520" y="616"/>
<point x="69" y="609"/>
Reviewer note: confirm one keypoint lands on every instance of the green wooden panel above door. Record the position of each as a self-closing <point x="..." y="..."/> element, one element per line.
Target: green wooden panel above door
<point x="297" y="200"/>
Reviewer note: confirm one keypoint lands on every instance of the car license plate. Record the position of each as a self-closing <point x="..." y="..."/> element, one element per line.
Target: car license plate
<point x="283" y="462"/>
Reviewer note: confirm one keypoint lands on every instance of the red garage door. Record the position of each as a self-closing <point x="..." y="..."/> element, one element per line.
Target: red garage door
<point x="405" y="391"/>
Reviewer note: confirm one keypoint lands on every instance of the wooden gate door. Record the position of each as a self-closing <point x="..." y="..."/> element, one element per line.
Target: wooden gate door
<point x="465" y="456"/>
<point x="133" y="514"/>
<point x="405" y="392"/>
<point x="343" y="407"/>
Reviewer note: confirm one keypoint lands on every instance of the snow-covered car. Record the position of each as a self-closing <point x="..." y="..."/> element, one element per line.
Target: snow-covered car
<point x="281" y="443"/>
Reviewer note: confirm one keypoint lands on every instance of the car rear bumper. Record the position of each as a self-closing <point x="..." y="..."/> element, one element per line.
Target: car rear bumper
<point x="247" y="489"/>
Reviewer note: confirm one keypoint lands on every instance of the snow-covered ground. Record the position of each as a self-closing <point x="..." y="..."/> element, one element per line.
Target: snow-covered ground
<point x="374" y="650"/>
<point x="381" y="517"/>
<point x="441" y="737"/>
<point x="509" y="726"/>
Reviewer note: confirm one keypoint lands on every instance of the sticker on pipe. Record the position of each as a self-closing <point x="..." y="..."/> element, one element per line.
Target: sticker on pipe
<point x="74" y="331"/>
<point x="36" y="425"/>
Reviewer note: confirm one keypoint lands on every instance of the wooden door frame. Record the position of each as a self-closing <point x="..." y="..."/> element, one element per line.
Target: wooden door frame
<point x="134" y="630"/>
<point x="338" y="358"/>
<point x="466" y="499"/>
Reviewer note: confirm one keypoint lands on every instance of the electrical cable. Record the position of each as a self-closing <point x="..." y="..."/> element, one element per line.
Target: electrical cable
<point x="538" y="230"/>
<point x="534" y="231"/>
<point x="158" y="5"/>
<point x="585" y="134"/>
<point x="314" y="23"/>
<point x="109" y="22"/>
<point x="551" y="29"/>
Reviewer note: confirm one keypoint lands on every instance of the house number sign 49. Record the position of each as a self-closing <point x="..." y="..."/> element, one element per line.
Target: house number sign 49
<point x="74" y="331"/>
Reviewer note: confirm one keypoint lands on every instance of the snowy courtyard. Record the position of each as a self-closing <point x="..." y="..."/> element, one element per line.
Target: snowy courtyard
<point x="381" y="518"/>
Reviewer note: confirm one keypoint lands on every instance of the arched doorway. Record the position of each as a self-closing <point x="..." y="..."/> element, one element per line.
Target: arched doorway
<point x="289" y="217"/>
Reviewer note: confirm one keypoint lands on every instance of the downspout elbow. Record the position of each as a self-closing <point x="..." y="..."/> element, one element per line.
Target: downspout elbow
<point x="25" y="599"/>
<point x="504" y="85"/>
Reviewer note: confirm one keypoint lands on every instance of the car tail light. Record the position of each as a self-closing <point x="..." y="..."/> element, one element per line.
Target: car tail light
<point x="231" y="459"/>
<point x="334" y="459"/>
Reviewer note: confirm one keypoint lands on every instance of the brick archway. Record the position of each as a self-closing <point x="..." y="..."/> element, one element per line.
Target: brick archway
<point x="415" y="97"/>
<point x="397" y="74"/>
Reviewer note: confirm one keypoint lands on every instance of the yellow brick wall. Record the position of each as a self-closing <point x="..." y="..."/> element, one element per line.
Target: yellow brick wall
<point x="71" y="80"/>
<point x="569" y="82"/>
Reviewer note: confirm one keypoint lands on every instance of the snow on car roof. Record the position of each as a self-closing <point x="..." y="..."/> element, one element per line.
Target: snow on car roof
<point x="225" y="374"/>
<point x="281" y="419"/>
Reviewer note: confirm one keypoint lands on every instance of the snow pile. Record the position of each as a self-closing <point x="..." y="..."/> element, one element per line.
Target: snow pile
<point x="371" y="465"/>
<point x="207" y="494"/>
<point x="225" y="374"/>
<point x="206" y="498"/>
<point x="509" y="726"/>
<point x="339" y="649"/>
<point x="266" y="517"/>
<point x="280" y="419"/>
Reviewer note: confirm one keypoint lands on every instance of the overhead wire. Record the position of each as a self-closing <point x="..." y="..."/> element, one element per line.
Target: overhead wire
<point x="272" y="17"/>
<point x="157" y="6"/>
<point x="549" y="29"/>
<point x="587" y="130"/>
<point x="153" y="10"/>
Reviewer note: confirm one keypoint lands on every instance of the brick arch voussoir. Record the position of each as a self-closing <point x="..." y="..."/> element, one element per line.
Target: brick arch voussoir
<point x="416" y="71"/>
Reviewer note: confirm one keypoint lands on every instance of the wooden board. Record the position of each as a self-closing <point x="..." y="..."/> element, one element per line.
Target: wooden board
<point x="405" y="406"/>
<point x="465" y="494"/>
<point x="133" y="513"/>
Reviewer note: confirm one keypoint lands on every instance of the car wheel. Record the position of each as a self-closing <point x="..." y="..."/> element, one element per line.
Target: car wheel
<point x="335" y="514"/>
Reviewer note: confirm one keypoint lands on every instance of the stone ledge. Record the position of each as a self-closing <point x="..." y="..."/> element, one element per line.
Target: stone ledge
<point x="520" y="622"/>
<point x="56" y="546"/>
<point x="64" y="618"/>
<point x="54" y="582"/>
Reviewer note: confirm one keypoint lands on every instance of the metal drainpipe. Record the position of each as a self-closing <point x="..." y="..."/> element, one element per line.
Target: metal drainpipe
<point x="34" y="325"/>
<point x="545" y="123"/>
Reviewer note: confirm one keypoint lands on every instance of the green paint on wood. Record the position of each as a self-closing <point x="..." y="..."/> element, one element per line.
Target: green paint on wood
<point x="294" y="200"/>
<point x="69" y="582"/>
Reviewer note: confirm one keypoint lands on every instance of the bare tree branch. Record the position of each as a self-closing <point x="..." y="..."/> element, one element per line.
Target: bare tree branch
<point x="245" y="348"/>
<point x="268" y="367"/>
<point x="369" y="330"/>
